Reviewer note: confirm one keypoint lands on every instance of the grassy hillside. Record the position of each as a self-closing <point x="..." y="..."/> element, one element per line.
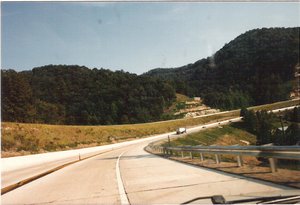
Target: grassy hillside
<point x="223" y="135"/>
<point x="175" y="106"/>
<point x="21" y="138"/>
<point x="182" y="98"/>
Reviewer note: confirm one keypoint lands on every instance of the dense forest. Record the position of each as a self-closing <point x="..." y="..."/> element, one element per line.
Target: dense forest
<point x="77" y="95"/>
<point x="255" y="68"/>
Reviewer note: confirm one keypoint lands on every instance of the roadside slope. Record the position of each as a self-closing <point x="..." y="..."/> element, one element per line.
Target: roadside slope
<point x="23" y="139"/>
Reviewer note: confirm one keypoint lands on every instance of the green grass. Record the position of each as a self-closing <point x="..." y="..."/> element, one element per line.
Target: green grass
<point x="23" y="138"/>
<point x="35" y="138"/>
<point x="224" y="135"/>
<point x="182" y="98"/>
<point x="180" y="101"/>
<point x="277" y="105"/>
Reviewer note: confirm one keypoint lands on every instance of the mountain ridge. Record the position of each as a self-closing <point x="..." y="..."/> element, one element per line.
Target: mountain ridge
<point x="246" y="66"/>
<point x="255" y="68"/>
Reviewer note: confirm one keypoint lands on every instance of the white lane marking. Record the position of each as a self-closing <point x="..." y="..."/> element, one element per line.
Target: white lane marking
<point x="122" y="193"/>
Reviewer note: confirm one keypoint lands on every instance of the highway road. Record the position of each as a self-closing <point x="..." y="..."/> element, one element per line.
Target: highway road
<point x="129" y="175"/>
<point x="16" y="169"/>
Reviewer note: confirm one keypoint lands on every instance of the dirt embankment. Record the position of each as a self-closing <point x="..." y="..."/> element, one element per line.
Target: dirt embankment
<point x="252" y="168"/>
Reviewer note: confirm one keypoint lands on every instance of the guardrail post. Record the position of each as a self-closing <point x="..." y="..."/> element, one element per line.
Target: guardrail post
<point x="217" y="158"/>
<point x="273" y="165"/>
<point x="239" y="161"/>
<point x="271" y="153"/>
<point x="201" y="157"/>
<point x="191" y="155"/>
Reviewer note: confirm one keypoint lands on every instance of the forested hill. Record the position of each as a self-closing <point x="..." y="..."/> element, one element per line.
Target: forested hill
<point x="255" y="68"/>
<point x="61" y="94"/>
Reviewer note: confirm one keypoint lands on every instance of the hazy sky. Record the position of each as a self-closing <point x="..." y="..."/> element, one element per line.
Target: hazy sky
<point x="135" y="37"/>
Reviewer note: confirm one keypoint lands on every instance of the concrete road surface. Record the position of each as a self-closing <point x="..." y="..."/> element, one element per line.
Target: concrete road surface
<point x="131" y="175"/>
<point x="16" y="169"/>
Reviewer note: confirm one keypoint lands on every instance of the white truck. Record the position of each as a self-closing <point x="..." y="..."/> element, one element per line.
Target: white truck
<point x="181" y="130"/>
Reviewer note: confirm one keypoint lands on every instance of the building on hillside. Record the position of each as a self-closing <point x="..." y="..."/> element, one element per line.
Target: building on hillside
<point x="197" y="99"/>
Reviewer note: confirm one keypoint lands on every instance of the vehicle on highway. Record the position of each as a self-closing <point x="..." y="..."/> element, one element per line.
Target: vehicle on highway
<point x="181" y="130"/>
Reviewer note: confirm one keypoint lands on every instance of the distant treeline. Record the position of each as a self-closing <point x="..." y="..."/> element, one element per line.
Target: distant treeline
<point x="255" y="68"/>
<point x="61" y="94"/>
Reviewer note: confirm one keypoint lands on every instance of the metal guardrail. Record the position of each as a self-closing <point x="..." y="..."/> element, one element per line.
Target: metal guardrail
<point x="279" y="152"/>
<point x="270" y="152"/>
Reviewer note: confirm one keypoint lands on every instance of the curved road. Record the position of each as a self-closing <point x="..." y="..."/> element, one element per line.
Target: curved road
<point x="145" y="178"/>
<point x="126" y="174"/>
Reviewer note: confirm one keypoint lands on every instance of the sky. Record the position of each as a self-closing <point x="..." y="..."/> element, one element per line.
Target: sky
<point x="132" y="36"/>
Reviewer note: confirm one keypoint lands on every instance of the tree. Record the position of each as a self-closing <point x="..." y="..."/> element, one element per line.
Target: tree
<point x="49" y="113"/>
<point x="78" y="95"/>
<point x="250" y="121"/>
<point x="264" y="127"/>
<point x="243" y="112"/>
<point x="255" y="68"/>
<point x="293" y="131"/>
<point x="296" y="115"/>
<point x="17" y="101"/>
